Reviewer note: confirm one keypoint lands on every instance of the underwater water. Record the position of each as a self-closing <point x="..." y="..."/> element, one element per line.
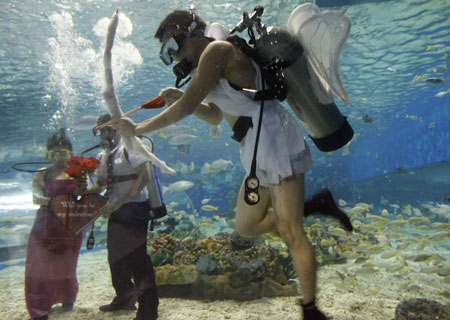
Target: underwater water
<point x="393" y="178"/>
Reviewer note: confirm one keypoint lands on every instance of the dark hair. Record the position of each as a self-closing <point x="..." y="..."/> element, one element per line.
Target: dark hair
<point x="178" y="22"/>
<point x="103" y="118"/>
<point x="59" y="139"/>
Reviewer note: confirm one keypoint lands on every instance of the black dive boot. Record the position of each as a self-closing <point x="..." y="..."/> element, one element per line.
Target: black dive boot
<point x="310" y="312"/>
<point x="323" y="202"/>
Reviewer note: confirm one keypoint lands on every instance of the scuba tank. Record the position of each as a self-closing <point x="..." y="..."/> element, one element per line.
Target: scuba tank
<point x="291" y="76"/>
<point x="157" y="207"/>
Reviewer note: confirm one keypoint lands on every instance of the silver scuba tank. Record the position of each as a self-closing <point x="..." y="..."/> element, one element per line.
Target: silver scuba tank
<point x="326" y="126"/>
<point x="157" y="207"/>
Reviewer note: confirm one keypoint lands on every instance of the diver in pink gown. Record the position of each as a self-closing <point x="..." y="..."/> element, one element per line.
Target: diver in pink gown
<point x="50" y="271"/>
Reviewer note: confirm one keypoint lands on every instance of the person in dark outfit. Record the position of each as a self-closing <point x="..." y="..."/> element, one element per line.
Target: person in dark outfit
<point x="124" y="175"/>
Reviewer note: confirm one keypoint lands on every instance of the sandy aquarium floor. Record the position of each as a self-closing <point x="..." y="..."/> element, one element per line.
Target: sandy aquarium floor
<point x="373" y="296"/>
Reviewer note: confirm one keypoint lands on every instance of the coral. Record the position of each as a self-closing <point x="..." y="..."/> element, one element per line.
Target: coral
<point x="219" y="255"/>
<point x="164" y="240"/>
<point x="162" y="257"/>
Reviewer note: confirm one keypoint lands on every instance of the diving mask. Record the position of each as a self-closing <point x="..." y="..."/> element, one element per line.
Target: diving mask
<point x="106" y="132"/>
<point x="62" y="153"/>
<point x="168" y="49"/>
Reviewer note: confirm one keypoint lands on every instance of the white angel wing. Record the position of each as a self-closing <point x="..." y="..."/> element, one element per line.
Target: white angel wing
<point x="322" y="35"/>
<point x="217" y="31"/>
<point x="112" y="102"/>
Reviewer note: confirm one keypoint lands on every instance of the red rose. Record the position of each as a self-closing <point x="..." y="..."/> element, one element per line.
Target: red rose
<point x="91" y="163"/>
<point x="74" y="161"/>
<point x="75" y="170"/>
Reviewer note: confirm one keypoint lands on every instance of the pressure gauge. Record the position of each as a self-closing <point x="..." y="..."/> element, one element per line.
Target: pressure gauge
<point x="252" y="182"/>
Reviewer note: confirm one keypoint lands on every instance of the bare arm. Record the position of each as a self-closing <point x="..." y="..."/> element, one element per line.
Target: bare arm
<point x="37" y="187"/>
<point x="208" y="112"/>
<point x="213" y="63"/>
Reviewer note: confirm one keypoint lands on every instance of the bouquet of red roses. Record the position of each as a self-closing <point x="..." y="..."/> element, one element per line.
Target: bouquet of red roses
<point x="80" y="167"/>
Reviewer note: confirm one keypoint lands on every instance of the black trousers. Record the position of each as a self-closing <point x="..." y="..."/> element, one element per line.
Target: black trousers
<point x="128" y="258"/>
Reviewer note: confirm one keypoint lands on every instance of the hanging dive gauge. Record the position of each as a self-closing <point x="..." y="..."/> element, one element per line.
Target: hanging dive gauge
<point x="90" y="240"/>
<point x="251" y="196"/>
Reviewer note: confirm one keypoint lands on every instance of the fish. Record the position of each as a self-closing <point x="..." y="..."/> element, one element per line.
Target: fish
<point x="178" y="186"/>
<point x="422" y="244"/>
<point x="351" y="255"/>
<point x="396" y="224"/>
<point x="219" y="165"/>
<point x="376" y="219"/>
<point x="317" y="227"/>
<point x="369" y="228"/>
<point x="388" y="254"/>
<point x="361" y="259"/>
<point x="440" y="68"/>
<point x="342" y="203"/>
<point x="367" y="118"/>
<point x="214" y="131"/>
<point x="181" y="167"/>
<point x="394" y="267"/>
<point x="413" y="117"/>
<point x="416" y="78"/>
<point x="417" y="220"/>
<point x="436" y="80"/>
<point x="87" y="122"/>
<point x="205" y="168"/>
<point x="182" y="139"/>
<point x="439" y="236"/>
<point x="430" y="269"/>
<point x="420" y="257"/>
<point x="175" y="130"/>
<point x="383" y="240"/>
<point x="391" y="69"/>
<point x="359" y="209"/>
<point x="402" y="245"/>
<point x="435" y="46"/>
<point x="442" y="93"/>
<point x="339" y="232"/>
<point x="205" y="201"/>
<point x="209" y="208"/>
<point x="346" y="149"/>
<point x="444" y="271"/>
<point x="367" y="270"/>
<point x="374" y="248"/>
<point x="440" y="226"/>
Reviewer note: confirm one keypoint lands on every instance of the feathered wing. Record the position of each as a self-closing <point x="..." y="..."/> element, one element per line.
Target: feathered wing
<point x="217" y="31"/>
<point x="322" y="35"/>
<point x="112" y="102"/>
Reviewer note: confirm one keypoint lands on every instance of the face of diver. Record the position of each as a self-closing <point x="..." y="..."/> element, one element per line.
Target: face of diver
<point x="109" y="137"/>
<point x="171" y="48"/>
<point x="58" y="156"/>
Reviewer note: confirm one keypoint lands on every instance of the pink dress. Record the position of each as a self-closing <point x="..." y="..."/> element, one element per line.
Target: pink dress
<point x="50" y="271"/>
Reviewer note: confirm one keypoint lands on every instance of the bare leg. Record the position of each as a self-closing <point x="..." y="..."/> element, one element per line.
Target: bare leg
<point x="252" y="221"/>
<point x="288" y="203"/>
